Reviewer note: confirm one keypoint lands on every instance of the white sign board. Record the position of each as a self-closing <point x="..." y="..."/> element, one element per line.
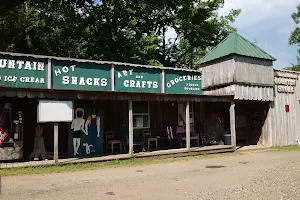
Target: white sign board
<point x="55" y="111"/>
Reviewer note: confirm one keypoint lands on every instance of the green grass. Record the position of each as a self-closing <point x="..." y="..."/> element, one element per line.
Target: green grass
<point x="102" y="165"/>
<point x="286" y="148"/>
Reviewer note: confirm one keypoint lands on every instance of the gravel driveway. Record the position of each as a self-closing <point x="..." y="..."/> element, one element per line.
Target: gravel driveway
<point x="265" y="175"/>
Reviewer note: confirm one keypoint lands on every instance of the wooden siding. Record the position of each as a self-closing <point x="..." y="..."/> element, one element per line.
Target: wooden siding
<point x="245" y="92"/>
<point x="218" y="74"/>
<point x="282" y="128"/>
<point x="253" y="71"/>
<point x="239" y="70"/>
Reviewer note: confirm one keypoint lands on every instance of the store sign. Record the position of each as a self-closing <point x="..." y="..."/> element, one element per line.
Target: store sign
<point x="285" y="89"/>
<point x="22" y="72"/>
<point x="286" y="74"/>
<point x="182" y="82"/>
<point x="134" y="79"/>
<point x="80" y="76"/>
<point x="285" y="82"/>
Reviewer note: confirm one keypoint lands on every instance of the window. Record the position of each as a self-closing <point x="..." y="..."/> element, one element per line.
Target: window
<point x="181" y="114"/>
<point x="141" y="115"/>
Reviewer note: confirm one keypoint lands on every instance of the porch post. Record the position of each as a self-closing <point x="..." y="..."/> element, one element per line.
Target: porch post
<point x="56" y="143"/>
<point x="130" y="129"/>
<point x="187" y="126"/>
<point x="232" y="123"/>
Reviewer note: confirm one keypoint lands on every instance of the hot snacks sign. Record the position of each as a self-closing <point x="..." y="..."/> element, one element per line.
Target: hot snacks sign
<point x="22" y="72"/>
<point x="80" y="76"/>
<point x="182" y="82"/>
<point x="134" y="79"/>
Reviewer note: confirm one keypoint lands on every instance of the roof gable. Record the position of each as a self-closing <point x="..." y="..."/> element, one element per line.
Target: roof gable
<point x="236" y="44"/>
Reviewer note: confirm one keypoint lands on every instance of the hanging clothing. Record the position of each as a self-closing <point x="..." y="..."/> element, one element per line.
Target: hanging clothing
<point x="93" y="127"/>
<point x="170" y="133"/>
<point x="3" y="137"/>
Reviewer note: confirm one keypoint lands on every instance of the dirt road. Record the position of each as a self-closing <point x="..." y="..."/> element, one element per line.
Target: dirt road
<point x="265" y="175"/>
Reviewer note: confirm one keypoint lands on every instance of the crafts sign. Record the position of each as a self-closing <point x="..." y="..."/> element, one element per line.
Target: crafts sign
<point x="137" y="79"/>
<point x="182" y="82"/>
<point x="22" y="72"/>
<point x="80" y="76"/>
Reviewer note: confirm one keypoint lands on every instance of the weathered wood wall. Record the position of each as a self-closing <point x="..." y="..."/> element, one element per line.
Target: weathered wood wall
<point x="237" y="70"/>
<point x="282" y="128"/>
<point x="253" y="71"/>
<point x="218" y="73"/>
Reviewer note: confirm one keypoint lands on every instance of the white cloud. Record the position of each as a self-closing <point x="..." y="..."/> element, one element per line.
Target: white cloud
<point x="256" y="11"/>
<point x="270" y="23"/>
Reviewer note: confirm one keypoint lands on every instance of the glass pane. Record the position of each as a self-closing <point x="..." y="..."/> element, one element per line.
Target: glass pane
<point x="140" y="106"/>
<point x="134" y="121"/>
<point x="145" y="121"/>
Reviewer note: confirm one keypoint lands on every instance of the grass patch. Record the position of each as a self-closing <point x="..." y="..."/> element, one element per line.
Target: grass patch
<point x="286" y="148"/>
<point x="102" y="165"/>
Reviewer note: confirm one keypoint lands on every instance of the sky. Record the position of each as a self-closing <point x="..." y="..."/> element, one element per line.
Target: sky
<point x="268" y="23"/>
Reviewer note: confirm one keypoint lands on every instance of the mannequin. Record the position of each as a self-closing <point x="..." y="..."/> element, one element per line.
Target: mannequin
<point x="92" y="126"/>
<point x="39" y="146"/>
<point x="78" y="127"/>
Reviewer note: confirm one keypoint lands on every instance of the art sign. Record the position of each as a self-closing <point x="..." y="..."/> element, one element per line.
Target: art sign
<point x="22" y="72"/>
<point x="182" y="82"/>
<point x="134" y="79"/>
<point x="80" y="76"/>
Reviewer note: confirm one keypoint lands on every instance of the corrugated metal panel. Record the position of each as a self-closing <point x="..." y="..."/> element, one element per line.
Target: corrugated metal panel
<point x="97" y="61"/>
<point x="245" y="92"/>
<point x="236" y="44"/>
<point x="112" y="96"/>
<point x="255" y="93"/>
<point x="284" y="127"/>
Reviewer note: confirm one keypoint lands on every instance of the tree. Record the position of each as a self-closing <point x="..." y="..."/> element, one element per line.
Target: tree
<point x="295" y="36"/>
<point x="117" y="30"/>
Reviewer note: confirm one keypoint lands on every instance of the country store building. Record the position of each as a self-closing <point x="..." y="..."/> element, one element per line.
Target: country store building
<point x="54" y="107"/>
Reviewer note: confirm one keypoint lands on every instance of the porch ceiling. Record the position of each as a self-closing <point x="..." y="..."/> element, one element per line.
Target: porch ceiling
<point x="89" y="95"/>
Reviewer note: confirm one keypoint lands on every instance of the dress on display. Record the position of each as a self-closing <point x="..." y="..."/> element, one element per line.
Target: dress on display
<point x="93" y="123"/>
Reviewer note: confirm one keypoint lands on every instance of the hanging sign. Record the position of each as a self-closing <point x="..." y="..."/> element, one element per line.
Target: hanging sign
<point x="22" y="72"/>
<point x="134" y="79"/>
<point x="73" y="75"/>
<point x="182" y="82"/>
<point x="286" y="74"/>
<point x="285" y="82"/>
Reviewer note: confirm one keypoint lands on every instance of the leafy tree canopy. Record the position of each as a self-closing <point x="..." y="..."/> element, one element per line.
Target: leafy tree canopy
<point x="295" y="37"/>
<point x="117" y="30"/>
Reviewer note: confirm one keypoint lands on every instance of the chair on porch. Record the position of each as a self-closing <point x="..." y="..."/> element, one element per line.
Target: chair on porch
<point x="111" y="142"/>
<point x="148" y="138"/>
<point x="124" y="131"/>
<point x="209" y="134"/>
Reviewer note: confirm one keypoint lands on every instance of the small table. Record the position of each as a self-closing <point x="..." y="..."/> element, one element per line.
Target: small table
<point x="193" y="137"/>
<point x="152" y="140"/>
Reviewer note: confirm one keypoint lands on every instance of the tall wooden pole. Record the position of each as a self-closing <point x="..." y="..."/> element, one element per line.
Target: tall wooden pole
<point x="232" y="123"/>
<point x="130" y="129"/>
<point x="56" y="143"/>
<point x="187" y="126"/>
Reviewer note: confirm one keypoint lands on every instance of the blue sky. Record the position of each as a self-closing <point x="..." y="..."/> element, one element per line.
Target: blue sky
<point x="266" y="22"/>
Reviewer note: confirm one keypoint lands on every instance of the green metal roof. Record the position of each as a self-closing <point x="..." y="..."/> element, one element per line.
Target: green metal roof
<point x="236" y="44"/>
